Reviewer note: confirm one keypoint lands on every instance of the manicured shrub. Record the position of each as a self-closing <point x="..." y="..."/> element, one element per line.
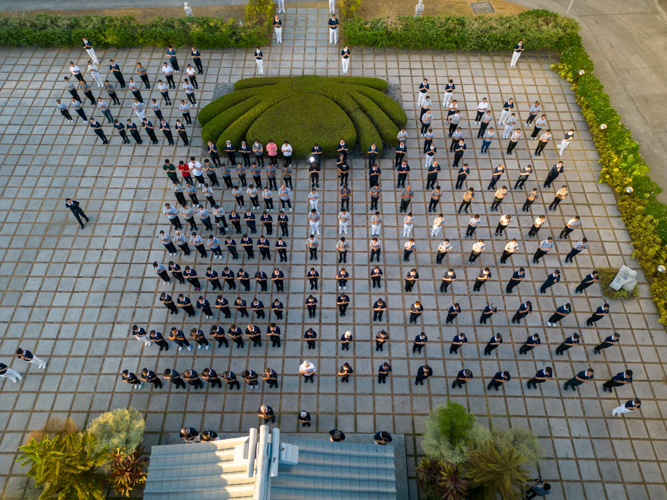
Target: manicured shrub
<point x="304" y="120"/>
<point x="120" y="428"/>
<point x="539" y="29"/>
<point x="305" y="110"/>
<point x="109" y="31"/>
<point x="494" y="471"/>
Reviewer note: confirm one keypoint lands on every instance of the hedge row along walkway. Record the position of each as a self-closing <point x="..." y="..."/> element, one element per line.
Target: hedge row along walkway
<point x="71" y="296"/>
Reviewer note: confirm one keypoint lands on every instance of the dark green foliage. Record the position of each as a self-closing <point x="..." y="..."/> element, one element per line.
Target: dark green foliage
<point x="327" y="109"/>
<point x="539" y="29"/>
<point x="220" y="123"/>
<point x="659" y="211"/>
<point x="108" y="31"/>
<point x="454" y="422"/>
<point x="326" y="126"/>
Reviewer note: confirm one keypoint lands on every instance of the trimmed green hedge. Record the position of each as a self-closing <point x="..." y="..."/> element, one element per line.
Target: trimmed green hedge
<point x="539" y="29"/>
<point x="622" y="163"/>
<point x="295" y="120"/>
<point x="292" y="108"/>
<point x="109" y="31"/>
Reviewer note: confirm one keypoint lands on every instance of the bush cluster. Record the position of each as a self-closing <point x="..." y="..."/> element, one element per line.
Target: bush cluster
<point x="540" y="29"/>
<point x="622" y="163"/>
<point x="304" y="110"/>
<point x="109" y="31"/>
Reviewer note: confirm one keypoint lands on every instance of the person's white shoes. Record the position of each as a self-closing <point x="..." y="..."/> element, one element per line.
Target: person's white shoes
<point x="208" y="345"/>
<point x="189" y="348"/>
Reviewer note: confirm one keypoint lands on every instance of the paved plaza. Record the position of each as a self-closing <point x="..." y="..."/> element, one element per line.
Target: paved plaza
<point x="72" y="295"/>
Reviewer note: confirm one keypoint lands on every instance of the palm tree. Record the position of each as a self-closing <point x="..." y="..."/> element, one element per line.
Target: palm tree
<point x="497" y="470"/>
<point x="66" y="466"/>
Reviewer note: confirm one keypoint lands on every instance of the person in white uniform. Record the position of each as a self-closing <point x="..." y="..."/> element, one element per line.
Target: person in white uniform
<point x="91" y="51"/>
<point x="259" y="60"/>
<point x="566" y="140"/>
<point x="95" y="73"/>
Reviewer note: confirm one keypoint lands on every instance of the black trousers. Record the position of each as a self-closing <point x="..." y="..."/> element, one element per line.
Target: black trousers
<point x="458" y="383"/>
<point x="450" y="318"/>
<point x="233" y="383"/>
<point x="144" y="78"/>
<point x="464" y="206"/>
<point x="417" y="348"/>
<point x="533" y="381"/>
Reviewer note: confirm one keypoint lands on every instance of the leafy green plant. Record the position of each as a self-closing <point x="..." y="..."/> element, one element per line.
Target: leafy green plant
<point x="539" y="29"/>
<point x="497" y="470"/>
<point x="126" y="472"/>
<point x="349" y="8"/>
<point x="449" y="430"/>
<point x="109" y="31"/>
<point x="259" y="12"/>
<point x="523" y="440"/>
<point x="66" y="467"/>
<point x="304" y="110"/>
<point x="441" y="481"/>
<point x="120" y="428"/>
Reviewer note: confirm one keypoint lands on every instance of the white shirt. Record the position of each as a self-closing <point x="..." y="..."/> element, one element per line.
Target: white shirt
<point x="286" y="149"/>
<point x="307" y="368"/>
<point x="478" y="247"/>
<point x="190" y="72"/>
<point x="195" y="167"/>
<point x="167" y="70"/>
<point x="511" y="247"/>
<point x="482" y="106"/>
<point x="439" y="221"/>
<point x="162" y="87"/>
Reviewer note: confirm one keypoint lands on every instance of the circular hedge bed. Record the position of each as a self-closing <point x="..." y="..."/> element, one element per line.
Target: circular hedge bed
<point x="304" y="110"/>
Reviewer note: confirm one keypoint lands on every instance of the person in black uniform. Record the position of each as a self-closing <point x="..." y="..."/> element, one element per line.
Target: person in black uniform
<point x="311" y="305"/>
<point x="423" y="373"/>
<point x="130" y="378"/>
<point x="241" y="307"/>
<point x="453" y="313"/>
<point x="198" y="336"/>
<point x="270" y="377"/>
<point x="222" y="304"/>
<point x="345" y="340"/>
<point x="205" y="307"/>
<point x="277" y="308"/>
<point x="178" y="336"/>
<point x="310" y="336"/>
<point x="376" y="277"/>
<point x="230" y="378"/>
<point x="517" y="277"/>
<point x="121" y="131"/>
<point x="313" y="277"/>
<point x="212" y="278"/>
<point x="254" y="335"/>
<point x="174" y="377"/>
<point x="336" y="436"/>
<point x="180" y="128"/>
<point x="420" y="342"/>
<point x="266" y="412"/>
<point x="569" y="342"/>
<point x="251" y="378"/>
<point x="150" y="130"/>
<point x="157" y="337"/>
<point x="192" y="378"/>
<point x="462" y="378"/>
<point x="381" y="338"/>
<point x="498" y="380"/>
<point x="150" y="377"/>
<point x="382" y="438"/>
<point x="218" y="335"/>
<point x="273" y="333"/>
<point x="379" y="307"/>
<point x="383" y="372"/>
<point x="493" y="344"/>
<point x="244" y="279"/>
<point x="134" y="131"/>
<point x="344" y="372"/>
<point x="531" y="343"/>
<point x="342" y="301"/>
<point x="583" y="377"/>
<point x="236" y="335"/>
<point x="610" y="341"/>
<point x="189" y="435"/>
<point x="168" y="303"/>
<point x="278" y="277"/>
<point x="74" y="206"/>
<point x="540" y="377"/>
<point x="208" y="436"/>
<point x="304" y="418"/>
<point x="457" y="342"/>
<point x="257" y="306"/>
<point x="211" y="377"/>
<point x="524" y="310"/>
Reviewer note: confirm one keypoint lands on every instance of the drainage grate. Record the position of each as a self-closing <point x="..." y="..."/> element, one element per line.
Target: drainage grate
<point x="482" y="8"/>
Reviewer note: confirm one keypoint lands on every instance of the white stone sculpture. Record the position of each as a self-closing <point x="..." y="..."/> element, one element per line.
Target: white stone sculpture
<point x="187" y="9"/>
<point x="625" y="279"/>
<point x="419" y="8"/>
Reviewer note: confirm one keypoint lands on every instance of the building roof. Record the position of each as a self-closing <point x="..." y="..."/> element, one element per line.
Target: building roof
<point x="323" y="471"/>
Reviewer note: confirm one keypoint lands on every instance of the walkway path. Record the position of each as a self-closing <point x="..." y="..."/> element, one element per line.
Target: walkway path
<point x="71" y="295"/>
